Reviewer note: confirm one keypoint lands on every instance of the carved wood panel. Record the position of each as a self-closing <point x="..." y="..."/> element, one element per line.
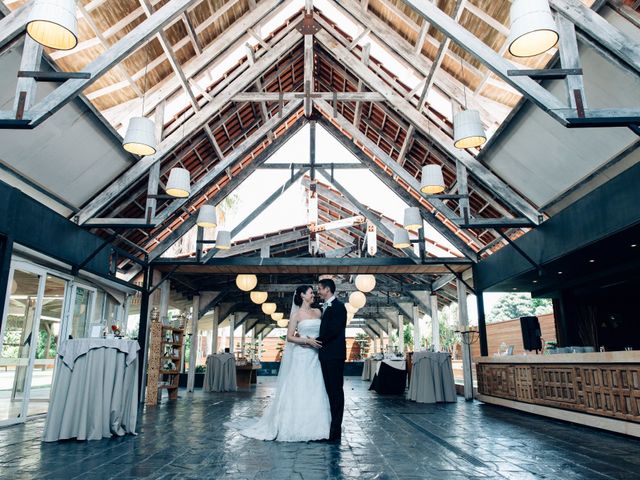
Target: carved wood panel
<point x="609" y="390"/>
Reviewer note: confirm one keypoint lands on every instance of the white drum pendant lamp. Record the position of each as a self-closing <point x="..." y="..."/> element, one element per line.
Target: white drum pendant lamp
<point x="277" y="316"/>
<point x="533" y="30"/>
<point x="401" y="238"/>
<point x="365" y="283"/>
<point x="53" y="23"/>
<point x="246" y="282"/>
<point x="357" y="299"/>
<point x="223" y="239"/>
<point x="432" y="181"/>
<point x="140" y="138"/>
<point x="258" y="297"/>
<point x="179" y="183"/>
<point x="467" y="129"/>
<point x="207" y="217"/>
<point x="412" y="218"/>
<point x="268" y="308"/>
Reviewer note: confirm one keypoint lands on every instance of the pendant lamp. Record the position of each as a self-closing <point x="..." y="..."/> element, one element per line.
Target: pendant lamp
<point x="401" y="238"/>
<point x="533" y="30"/>
<point x="412" y="218"/>
<point x="207" y="217"/>
<point x="432" y="181"/>
<point x="223" y="239"/>
<point x="179" y="183"/>
<point x="365" y="283"/>
<point x="268" y="308"/>
<point x="283" y="323"/>
<point x="357" y="299"/>
<point x="258" y="297"/>
<point x="468" y="131"/>
<point x="351" y="310"/>
<point x="53" y="23"/>
<point x="277" y="316"/>
<point x="246" y="282"/>
<point x="140" y="138"/>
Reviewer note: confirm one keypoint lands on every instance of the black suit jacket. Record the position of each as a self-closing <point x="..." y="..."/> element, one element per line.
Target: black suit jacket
<point x="332" y="332"/>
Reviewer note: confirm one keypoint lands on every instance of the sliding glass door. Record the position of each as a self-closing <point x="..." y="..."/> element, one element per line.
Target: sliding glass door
<point x="29" y="340"/>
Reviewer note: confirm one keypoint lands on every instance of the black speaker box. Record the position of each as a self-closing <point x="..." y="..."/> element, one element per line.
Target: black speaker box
<point x="531" y="333"/>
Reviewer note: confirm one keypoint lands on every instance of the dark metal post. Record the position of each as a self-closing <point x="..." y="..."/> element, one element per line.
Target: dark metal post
<point x="482" y="324"/>
<point x="142" y="331"/>
<point x="6" y="249"/>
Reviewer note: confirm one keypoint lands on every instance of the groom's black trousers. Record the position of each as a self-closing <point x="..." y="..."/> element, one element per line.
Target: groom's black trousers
<point x="333" y="373"/>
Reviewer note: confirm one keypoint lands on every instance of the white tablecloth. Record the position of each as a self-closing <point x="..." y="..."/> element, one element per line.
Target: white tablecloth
<point x="95" y="390"/>
<point x="372" y="366"/>
<point x="366" y="369"/>
<point x="220" y="375"/>
<point x="432" y="378"/>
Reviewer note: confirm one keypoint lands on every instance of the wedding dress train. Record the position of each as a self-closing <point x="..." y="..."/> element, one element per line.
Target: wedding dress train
<point x="300" y="409"/>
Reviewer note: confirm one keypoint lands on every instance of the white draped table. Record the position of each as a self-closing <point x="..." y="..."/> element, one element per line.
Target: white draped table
<point x="95" y="390"/>
<point x="388" y="376"/>
<point x="432" y="378"/>
<point x="367" y="369"/>
<point x="220" y="375"/>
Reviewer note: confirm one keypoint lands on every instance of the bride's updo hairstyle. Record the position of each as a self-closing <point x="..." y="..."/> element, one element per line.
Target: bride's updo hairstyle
<point x="301" y="290"/>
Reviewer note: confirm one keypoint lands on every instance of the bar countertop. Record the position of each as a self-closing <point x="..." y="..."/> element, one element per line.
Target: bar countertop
<point x="632" y="356"/>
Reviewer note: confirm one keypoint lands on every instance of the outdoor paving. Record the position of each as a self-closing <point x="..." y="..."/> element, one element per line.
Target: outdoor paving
<point x="384" y="438"/>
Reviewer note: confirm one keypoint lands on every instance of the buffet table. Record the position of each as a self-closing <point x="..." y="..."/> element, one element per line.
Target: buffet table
<point x="432" y="378"/>
<point x="596" y="389"/>
<point x="95" y="390"/>
<point x="220" y="375"/>
<point x="389" y="376"/>
<point x="247" y="374"/>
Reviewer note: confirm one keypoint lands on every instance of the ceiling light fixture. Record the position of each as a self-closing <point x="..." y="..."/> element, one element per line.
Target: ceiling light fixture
<point x="53" y="23"/>
<point x="533" y="30"/>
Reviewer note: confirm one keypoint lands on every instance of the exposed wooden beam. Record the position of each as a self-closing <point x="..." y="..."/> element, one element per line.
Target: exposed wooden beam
<point x="308" y="74"/>
<point x="228" y="161"/>
<point x="479" y="171"/>
<point x="192" y="125"/>
<point x="266" y="203"/>
<point x="364" y="210"/>
<point x="103" y="42"/>
<point x="105" y="62"/>
<point x="570" y="59"/>
<point x="329" y="96"/>
<point x="14" y="24"/>
<point x="251" y="58"/>
<point x="190" y="221"/>
<point x="404" y="52"/>
<point x="619" y="44"/>
<point x="26" y="87"/>
<point x="366" y="52"/>
<point x="488" y="57"/>
<point x="171" y="57"/>
<point x="387" y="179"/>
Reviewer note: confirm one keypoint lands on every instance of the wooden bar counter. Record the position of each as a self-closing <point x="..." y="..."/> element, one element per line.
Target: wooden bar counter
<point x="601" y="390"/>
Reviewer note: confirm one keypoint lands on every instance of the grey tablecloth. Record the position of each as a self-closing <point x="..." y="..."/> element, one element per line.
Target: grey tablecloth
<point x="220" y="375"/>
<point x="432" y="378"/>
<point x="95" y="390"/>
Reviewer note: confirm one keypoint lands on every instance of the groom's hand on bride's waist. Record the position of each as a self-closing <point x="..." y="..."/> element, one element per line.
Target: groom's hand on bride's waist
<point x="312" y="342"/>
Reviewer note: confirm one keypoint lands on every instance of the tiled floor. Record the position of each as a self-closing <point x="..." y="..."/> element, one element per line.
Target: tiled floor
<point x="384" y="438"/>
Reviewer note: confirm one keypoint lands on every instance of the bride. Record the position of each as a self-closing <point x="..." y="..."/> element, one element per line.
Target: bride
<point x="300" y="409"/>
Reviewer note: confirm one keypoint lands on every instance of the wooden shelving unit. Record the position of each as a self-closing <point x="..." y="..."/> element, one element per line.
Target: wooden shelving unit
<point x="165" y="346"/>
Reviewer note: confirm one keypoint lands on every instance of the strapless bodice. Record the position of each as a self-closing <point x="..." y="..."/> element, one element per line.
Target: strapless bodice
<point x="309" y="327"/>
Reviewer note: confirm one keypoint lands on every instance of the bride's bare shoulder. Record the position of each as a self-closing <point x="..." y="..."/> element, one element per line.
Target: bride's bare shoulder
<point x="317" y="312"/>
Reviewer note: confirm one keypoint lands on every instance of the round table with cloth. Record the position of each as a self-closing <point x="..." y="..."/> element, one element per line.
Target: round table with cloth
<point x="389" y="376"/>
<point x="432" y="378"/>
<point x="95" y="390"/>
<point x="220" y="375"/>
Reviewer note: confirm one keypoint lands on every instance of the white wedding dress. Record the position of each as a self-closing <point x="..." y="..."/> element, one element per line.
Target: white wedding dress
<point x="300" y="410"/>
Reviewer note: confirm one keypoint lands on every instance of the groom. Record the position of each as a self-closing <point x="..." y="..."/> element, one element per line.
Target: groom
<point x="333" y="352"/>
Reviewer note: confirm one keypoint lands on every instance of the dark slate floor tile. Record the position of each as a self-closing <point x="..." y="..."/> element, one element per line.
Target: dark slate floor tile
<point x="385" y="438"/>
